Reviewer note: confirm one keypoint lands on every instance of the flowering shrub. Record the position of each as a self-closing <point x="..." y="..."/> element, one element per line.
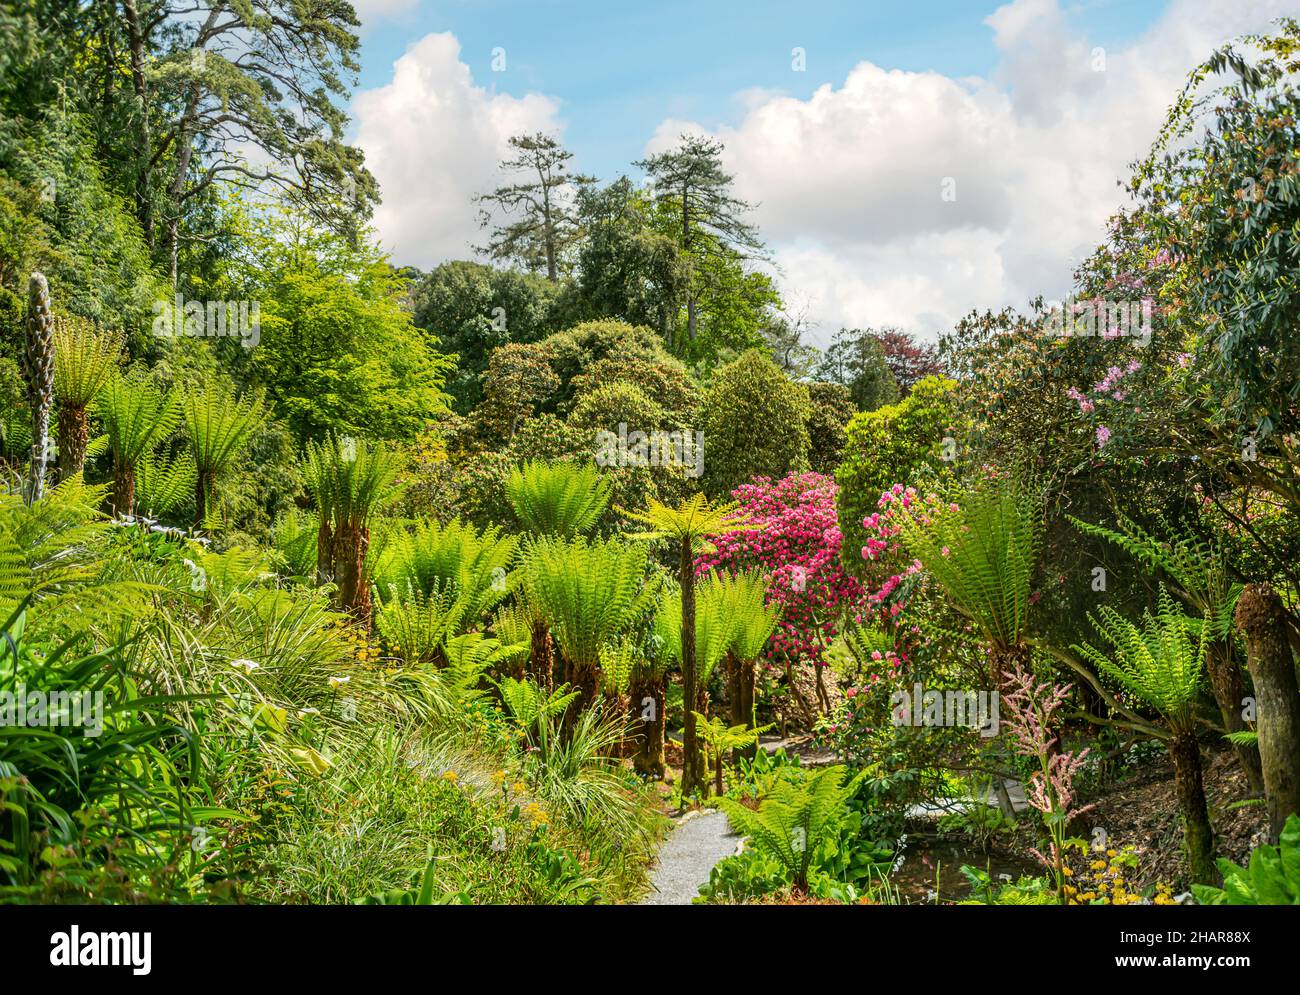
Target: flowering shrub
<point x="891" y="566"/>
<point x="797" y="547"/>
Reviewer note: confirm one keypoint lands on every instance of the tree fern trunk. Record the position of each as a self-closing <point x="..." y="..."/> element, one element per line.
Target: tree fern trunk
<point x="1261" y="617"/>
<point x="693" y="775"/>
<point x="541" y="659"/>
<point x="123" y="489"/>
<point x="649" y="698"/>
<point x="1198" y="836"/>
<point x="324" y="551"/>
<point x="354" y="592"/>
<point x="73" y="433"/>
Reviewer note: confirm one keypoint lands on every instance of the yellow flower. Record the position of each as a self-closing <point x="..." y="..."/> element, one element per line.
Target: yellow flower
<point x="1098" y="865"/>
<point x="499" y="778"/>
<point x="451" y="776"/>
<point x="1111" y="853"/>
<point x="1067" y="872"/>
<point x="519" y="787"/>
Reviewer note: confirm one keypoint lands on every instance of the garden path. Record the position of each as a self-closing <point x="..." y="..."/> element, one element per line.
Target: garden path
<point x="700" y="840"/>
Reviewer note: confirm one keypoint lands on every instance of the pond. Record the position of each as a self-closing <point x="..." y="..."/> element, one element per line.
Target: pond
<point x="933" y="863"/>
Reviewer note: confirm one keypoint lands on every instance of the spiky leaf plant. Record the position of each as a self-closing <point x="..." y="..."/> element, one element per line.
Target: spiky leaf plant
<point x="589" y="592"/>
<point x="983" y="555"/>
<point x="38" y="370"/>
<point x="1199" y="573"/>
<point x="558" y="498"/>
<point x="164" y="485"/>
<point x="417" y="626"/>
<point x="720" y="737"/>
<point x="137" y="416"/>
<point x="1161" y="662"/>
<point x="220" y="425"/>
<point x="796" y="818"/>
<point x="479" y="564"/>
<point x="754" y="621"/>
<point x="688" y="527"/>
<point x="351" y="481"/>
<point x="84" y="357"/>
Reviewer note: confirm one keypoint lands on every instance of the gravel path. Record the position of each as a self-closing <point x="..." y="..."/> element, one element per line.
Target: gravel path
<point x="686" y="859"/>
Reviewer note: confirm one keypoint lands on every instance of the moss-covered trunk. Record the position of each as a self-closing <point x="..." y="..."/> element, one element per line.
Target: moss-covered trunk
<point x="648" y="697"/>
<point x="1198" y="836"/>
<point x="694" y="776"/>
<point x="350" y="544"/>
<point x="1261" y="616"/>
<point x="1229" y="694"/>
<point x="742" y="699"/>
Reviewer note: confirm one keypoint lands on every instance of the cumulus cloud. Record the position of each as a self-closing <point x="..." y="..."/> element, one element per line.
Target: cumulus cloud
<point x="850" y="181"/>
<point x="433" y="139"/>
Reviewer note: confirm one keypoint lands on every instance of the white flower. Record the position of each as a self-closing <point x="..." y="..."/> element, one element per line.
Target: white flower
<point x="304" y="712"/>
<point x="338" y="681"/>
<point x="247" y="666"/>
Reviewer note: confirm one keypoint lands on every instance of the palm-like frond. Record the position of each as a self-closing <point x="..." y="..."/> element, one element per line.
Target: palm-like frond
<point x="432" y="556"/>
<point x="163" y="485"/>
<point x="558" y="499"/>
<point x="691" y="522"/>
<point x="1195" y="566"/>
<point x="588" y="592"/>
<point x="983" y="555"/>
<point x="1161" y="662"/>
<point x="796" y="817"/>
<point x="84" y="356"/>
<point x="136" y="415"/>
<point x="417" y="625"/>
<point x="753" y="619"/>
<point x="715" y="624"/>
<point x="220" y="423"/>
<point x="351" y="479"/>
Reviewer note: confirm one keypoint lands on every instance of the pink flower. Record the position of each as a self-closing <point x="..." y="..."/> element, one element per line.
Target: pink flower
<point x="1103" y="436"/>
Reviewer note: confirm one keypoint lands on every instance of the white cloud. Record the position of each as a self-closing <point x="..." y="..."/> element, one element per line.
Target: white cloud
<point x="433" y="139"/>
<point x="848" y="181"/>
<point x="370" y="11"/>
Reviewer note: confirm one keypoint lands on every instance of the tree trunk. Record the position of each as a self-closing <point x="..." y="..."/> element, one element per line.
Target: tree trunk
<point x="1197" y="833"/>
<point x="73" y="433"/>
<point x="586" y="680"/>
<point x="354" y="592"/>
<point x="202" y="484"/>
<point x="1229" y="693"/>
<point x="143" y="199"/>
<point x="1261" y="617"/>
<point x="123" y="489"/>
<point x="649" y="698"/>
<point x="742" y="700"/>
<point x="541" y="659"/>
<point x="693" y="774"/>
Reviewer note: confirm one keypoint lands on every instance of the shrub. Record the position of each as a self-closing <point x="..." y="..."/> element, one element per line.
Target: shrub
<point x="888" y="445"/>
<point x="831" y="409"/>
<point x="754" y="421"/>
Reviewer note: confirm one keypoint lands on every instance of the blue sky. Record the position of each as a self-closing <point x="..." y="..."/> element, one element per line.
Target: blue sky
<point x="1028" y="111"/>
<point x="618" y="69"/>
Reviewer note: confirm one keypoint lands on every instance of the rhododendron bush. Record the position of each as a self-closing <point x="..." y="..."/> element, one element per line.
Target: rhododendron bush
<point x="797" y="546"/>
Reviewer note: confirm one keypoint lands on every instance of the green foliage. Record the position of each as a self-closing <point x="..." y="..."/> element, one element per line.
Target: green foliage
<point x="983" y="555"/>
<point x="558" y="499"/>
<point x="456" y="557"/>
<point x="887" y="446"/>
<point x="755" y="424"/>
<point x="457" y="303"/>
<point x="829" y="413"/>
<point x="856" y="360"/>
<point x="1271" y="878"/>
<point x="796" y="819"/>
<point x="1161" y="662"/>
<point x="102" y="772"/>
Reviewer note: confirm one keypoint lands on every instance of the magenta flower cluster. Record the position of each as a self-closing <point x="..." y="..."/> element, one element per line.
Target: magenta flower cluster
<point x="797" y="548"/>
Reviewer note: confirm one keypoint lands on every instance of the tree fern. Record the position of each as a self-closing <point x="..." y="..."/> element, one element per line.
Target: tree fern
<point x="84" y="357"/>
<point x="558" y="499"/>
<point x="162" y="485"/>
<point x="220" y="425"/>
<point x="796" y="818"/>
<point x="983" y="554"/>
<point x="137" y="416"/>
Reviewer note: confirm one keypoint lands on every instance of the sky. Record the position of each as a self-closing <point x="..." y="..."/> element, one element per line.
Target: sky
<point x="909" y="162"/>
